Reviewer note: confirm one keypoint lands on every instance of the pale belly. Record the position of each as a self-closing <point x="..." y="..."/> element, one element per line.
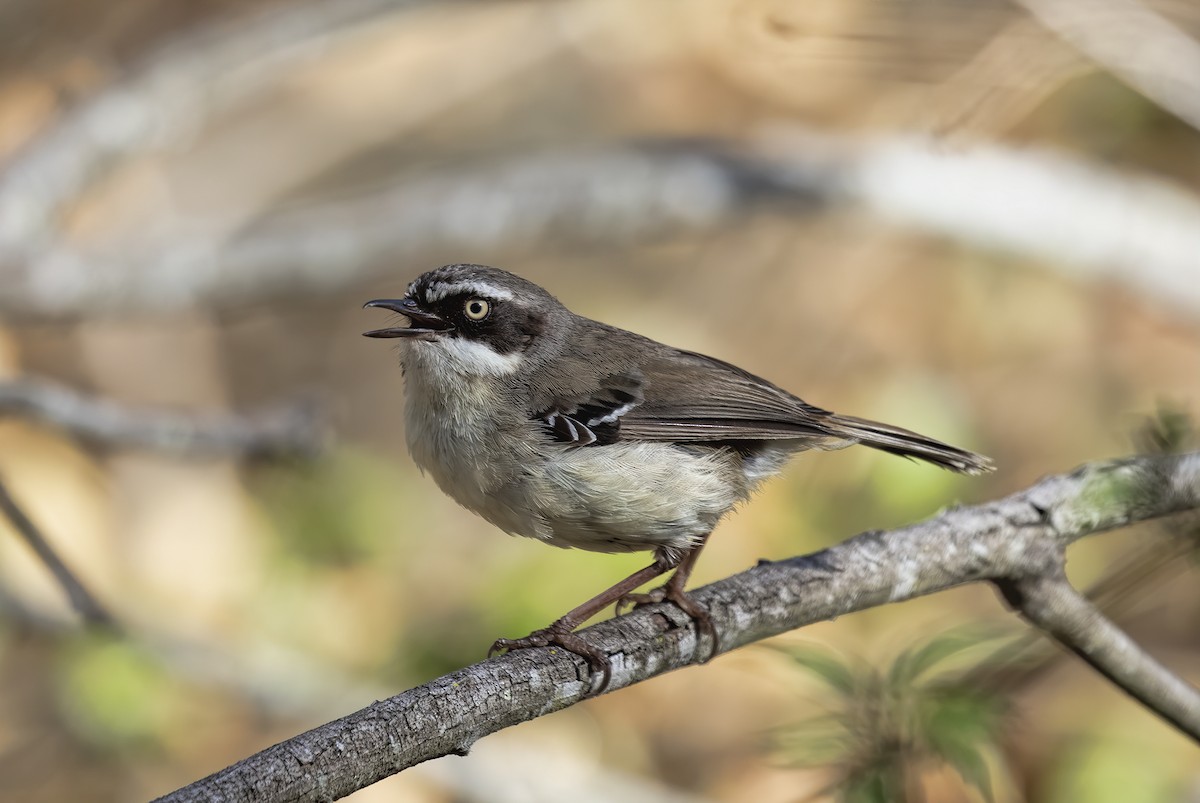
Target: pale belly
<point x="620" y="497"/>
<point x="629" y="496"/>
<point x="617" y="498"/>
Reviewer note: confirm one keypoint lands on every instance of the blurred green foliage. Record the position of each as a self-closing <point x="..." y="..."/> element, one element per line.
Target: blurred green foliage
<point x="883" y="727"/>
<point x="1170" y="431"/>
<point x="337" y="511"/>
<point x="878" y="490"/>
<point x="1114" y="768"/>
<point x="115" y="694"/>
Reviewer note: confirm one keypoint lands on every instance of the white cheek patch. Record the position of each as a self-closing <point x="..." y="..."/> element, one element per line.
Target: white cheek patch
<point x="439" y="290"/>
<point x="470" y="357"/>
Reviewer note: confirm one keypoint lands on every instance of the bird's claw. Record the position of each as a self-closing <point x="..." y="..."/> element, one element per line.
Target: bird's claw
<point x="695" y="611"/>
<point x="598" y="661"/>
<point x="634" y="601"/>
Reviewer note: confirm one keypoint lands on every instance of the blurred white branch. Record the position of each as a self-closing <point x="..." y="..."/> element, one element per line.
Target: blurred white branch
<point x="1083" y="219"/>
<point x="1089" y="220"/>
<point x="599" y="197"/>
<point x="1012" y="541"/>
<point x="1134" y="43"/>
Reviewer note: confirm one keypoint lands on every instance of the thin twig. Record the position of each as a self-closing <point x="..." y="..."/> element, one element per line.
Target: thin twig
<point x="81" y="599"/>
<point x="1050" y="603"/>
<point x="1021" y="661"/>
<point x="285" y="431"/>
<point x="1018" y="536"/>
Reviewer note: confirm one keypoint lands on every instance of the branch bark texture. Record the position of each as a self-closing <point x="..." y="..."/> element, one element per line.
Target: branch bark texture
<point x="1015" y="539"/>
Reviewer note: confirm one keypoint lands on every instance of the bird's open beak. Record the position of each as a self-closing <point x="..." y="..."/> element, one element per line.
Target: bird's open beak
<point x="424" y="325"/>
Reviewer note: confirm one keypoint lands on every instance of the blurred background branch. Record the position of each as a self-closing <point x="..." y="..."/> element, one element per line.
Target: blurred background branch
<point x="292" y="430"/>
<point x="162" y="103"/>
<point x="86" y="605"/>
<point x="1081" y="218"/>
<point x="1133" y="42"/>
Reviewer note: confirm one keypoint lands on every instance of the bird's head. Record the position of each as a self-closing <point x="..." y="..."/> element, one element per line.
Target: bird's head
<point x="471" y="319"/>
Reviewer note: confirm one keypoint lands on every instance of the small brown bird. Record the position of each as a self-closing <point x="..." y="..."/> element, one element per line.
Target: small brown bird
<point x="561" y="428"/>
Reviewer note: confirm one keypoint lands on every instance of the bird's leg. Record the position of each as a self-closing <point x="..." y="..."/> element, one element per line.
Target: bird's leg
<point x="673" y="591"/>
<point x="673" y="587"/>
<point x="560" y="631"/>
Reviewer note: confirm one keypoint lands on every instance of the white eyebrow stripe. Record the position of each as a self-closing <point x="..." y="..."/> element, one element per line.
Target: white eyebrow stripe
<point x="439" y="290"/>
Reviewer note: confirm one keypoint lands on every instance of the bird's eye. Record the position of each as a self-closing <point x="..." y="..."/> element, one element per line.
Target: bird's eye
<point x="477" y="309"/>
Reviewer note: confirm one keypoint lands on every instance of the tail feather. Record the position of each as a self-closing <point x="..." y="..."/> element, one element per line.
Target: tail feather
<point x="906" y="443"/>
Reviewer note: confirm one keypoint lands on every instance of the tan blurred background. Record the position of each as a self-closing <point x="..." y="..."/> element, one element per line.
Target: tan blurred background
<point x="980" y="220"/>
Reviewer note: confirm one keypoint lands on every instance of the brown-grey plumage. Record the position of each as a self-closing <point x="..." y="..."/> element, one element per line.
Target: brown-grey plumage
<point x="558" y="427"/>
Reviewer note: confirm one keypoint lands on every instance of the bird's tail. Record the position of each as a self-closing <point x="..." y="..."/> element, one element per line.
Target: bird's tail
<point x="905" y="443"/>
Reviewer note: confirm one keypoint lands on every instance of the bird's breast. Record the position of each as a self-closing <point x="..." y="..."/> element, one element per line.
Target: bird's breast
<point x="455" y="434"/>
<point x="625" y="496"/>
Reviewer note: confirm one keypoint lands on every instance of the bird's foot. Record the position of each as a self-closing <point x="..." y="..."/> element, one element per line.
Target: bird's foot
<point x="559" y="635"/>
<point x="672" y="593"/>
<point x="632" y="601"/>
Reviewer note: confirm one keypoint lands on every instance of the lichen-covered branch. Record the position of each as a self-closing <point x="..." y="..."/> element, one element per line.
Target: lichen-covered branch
<point x="1021" y="536"/>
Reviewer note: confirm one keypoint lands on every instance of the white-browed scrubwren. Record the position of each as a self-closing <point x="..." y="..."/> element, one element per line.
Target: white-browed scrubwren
<point x="561" y="428"/>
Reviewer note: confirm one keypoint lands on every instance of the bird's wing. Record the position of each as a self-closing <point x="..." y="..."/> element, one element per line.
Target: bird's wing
<point x="681" y="396"/>
<point x="727" y="403"/>
<point x="592" y="415"/>
<point x="677" y="395"/>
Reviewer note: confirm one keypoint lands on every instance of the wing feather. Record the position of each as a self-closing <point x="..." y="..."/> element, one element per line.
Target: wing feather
<point x="681" y="396"/>
<point x="729" y="404"/>
<point x="664" y="400"/>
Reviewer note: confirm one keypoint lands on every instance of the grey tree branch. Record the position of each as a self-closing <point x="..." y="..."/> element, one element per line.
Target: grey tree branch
<point x="288" y="430"/>
<point x="1050" y="603"/>
<point x="1137" y="573"/>
<point x="81" y="599"/>
<point x="1021" y="536"/>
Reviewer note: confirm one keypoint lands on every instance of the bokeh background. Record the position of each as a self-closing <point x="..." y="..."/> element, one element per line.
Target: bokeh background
<point x="979" y="220"/>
